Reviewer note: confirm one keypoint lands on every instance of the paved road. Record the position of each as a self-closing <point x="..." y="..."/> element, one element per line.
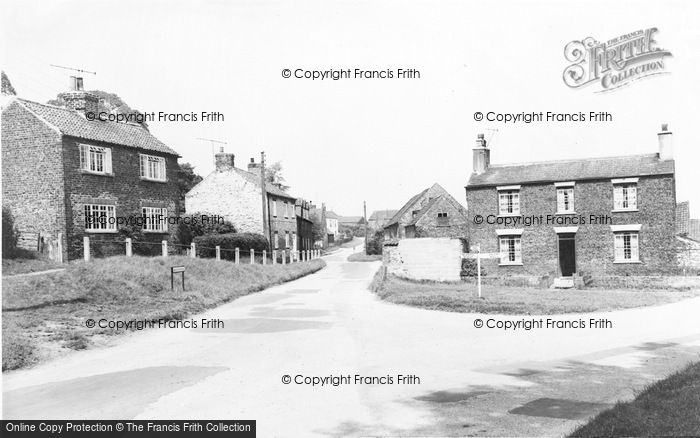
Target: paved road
<point x="472" y="381"/>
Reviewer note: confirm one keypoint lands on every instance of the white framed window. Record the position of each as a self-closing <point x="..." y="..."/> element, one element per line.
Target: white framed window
<point x="277" y="240"/>
<point x="95" y="159"/>
<point x="627" y="247"/>
<point x="509" y="202"/>
<point x="274" y="208"/>
<point x="155" y="220"/>
<point x="100" y="218"/>
<point x="286" y="210"/>
<point x="511" y="250"/>
<point x="625" y="194"/>
<point x="565" y="200"/>
<point x="152" y="167"/>
<point x="286" y="239"/>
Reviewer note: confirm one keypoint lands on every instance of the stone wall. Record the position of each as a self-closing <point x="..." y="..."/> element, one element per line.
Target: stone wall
<point x="437" y="259"/>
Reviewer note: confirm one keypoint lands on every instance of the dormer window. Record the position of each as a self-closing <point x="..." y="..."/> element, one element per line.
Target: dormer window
<point x="508" y="200"/>
<point x="625" y="194"/>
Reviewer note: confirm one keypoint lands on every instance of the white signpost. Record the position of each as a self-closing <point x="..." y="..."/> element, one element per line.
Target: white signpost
<point x="478" y="255"/>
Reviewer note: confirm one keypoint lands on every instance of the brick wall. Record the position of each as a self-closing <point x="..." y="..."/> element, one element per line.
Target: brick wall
<point x="281" y="224"/>
<point x="124" y="188"/>
<point x="594" y="243"/>
<point x="32" y="175"/>
<point x="437" y="259"/>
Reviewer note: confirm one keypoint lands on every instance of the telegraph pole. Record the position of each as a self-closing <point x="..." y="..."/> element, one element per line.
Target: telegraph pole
<point x="364" y="204"/>
<point x="265" y="213"/>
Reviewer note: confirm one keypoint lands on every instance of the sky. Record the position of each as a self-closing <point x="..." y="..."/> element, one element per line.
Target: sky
<point x="375" y="140"/>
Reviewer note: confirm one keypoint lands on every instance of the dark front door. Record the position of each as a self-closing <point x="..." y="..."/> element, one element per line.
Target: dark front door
<point x="567" y="254"/>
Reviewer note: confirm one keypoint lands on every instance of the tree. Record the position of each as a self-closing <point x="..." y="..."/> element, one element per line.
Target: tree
<point x="108" y="103"/>
<point x="186" y="179"/>
<point x="273" y="175"/>
<point x="317" y="230"/>
<point x="7" y="87"/>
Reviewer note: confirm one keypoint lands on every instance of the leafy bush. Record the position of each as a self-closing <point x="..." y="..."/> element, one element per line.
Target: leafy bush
<point x="187" y="229"/>
<point x="228" y="242"/>
<point x="469" y="268"/>
<point x="10" y="235"/>
<point x="375" y="243"/>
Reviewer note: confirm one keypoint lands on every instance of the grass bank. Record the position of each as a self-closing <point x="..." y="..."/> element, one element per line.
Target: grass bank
<point x="27" y="265"/>
<point x="362" y="257"/>
<point x="45" y="315"/>
<point x="462" y="297"/>
<point x="668" y="407"/>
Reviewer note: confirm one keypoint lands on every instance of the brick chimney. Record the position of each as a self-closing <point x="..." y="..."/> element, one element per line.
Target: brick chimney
<point x="482" y="155"/>
<point x="224" y="161"/>
<point x="78" y="99"/>
<point x="254" y="167"/>
<point x="665" y="143"/>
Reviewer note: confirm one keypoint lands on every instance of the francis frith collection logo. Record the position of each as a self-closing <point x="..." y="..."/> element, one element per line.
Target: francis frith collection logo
<point x="614" y="63"/>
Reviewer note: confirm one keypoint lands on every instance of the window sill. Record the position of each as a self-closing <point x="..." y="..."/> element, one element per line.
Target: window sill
<point x="627" y="262"/>
<point x="143" y="178"/>
<point x="101" y="231"/>
<point x="90" y="172"/>
<point x="154" y="232"/>
<point x="625" y="211"/>
<point x="508" y="214"/>
<point x="511" y="264"/>
<point x="565" y="212"/>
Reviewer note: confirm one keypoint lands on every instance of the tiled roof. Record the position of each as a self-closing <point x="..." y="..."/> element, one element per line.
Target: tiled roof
<point x="382" y="215"/>
<point x="330" y="214"/>
<point x="74" y="124"/>
<point x="350" y="219"/>
<point x="573" y="170"/>
<point x="407" y="206"/>
<point x="423" y="210"/>
<point x="269" y="188"/>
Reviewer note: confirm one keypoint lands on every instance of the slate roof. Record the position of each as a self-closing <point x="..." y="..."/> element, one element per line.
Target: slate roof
<point x="424" y="210"/>
<point x="330" y="214"/>
<point x="74" y="124"/>
<point x="254" y="178"/>
<point x="407" y="206"/>
<point x="572" y="170"/>
<point x="378" y="215"/>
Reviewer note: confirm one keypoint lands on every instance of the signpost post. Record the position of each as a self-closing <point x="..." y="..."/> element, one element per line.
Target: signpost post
<point x="478" y="256"/>
<point x="173" y="271"/>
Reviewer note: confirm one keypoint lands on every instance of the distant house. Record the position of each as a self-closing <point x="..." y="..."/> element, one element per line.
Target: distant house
<point x="237" y="195"/>
<point x="607" y="216"/>
<point x="379" y="218"/>
<point x="431" y="213"/>
<point x="332" y="226"/>
<point x="65" y="176"/>
<point x="350" y="221"/>
<point x="694" y="229"/>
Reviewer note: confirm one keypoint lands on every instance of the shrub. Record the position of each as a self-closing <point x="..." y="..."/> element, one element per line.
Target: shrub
<point x="375" y="243"/>
<point x="469" y="268"/>
<point x="187" y="229"/>
<point x="9" y="233"/>
<point x="228" y="242"/>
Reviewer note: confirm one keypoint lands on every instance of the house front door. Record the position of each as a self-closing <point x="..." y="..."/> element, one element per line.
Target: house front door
<point x="567" y="254"/>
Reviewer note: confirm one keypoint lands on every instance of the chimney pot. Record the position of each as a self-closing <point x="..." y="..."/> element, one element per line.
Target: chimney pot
<point x="481" y="155"/>
<point x="665" y="143"/>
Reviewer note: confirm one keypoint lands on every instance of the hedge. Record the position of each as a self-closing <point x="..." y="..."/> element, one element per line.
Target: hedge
<point x="228" y="242"/>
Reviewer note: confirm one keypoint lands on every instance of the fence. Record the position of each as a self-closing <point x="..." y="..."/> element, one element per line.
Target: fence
<point x="96" y="248"/>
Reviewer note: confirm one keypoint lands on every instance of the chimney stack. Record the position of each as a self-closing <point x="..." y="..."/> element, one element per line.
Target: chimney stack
<point x="482" y="155"/>
<point x="665" y="143"/>
<point x="254" y="167"/>
<point x="78" y="99"/>
<point x="224" y="161"/>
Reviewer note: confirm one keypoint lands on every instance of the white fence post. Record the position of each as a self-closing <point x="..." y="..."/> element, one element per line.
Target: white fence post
<point x="252" y="256"/>
<point x="284" y="256"/>
<point x="128" y="246"/>
<point x="298" y="256"/>
<point x="164" y="248"/>
<point x="237" y="255"/>
<point x="218" y="252"/>
<point x="86" y="248"/>
<point x="264" y="257"/>
<point x="193" y="250"/>
<point x="274" y="256"/>
<point x="59" y="248"/>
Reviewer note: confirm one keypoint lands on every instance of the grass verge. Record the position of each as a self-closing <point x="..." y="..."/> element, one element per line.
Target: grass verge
<point x="668" y="407"/>
<point x="27" y="265"/>
<point x="462" y="297"/>
<point x="362" y="257"/>
<point x="44" y="315"/>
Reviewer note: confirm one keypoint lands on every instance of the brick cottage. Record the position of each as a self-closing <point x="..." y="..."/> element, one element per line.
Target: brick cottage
<point x="64" y="176"/>
<point x="236" y="194"/>
<point x="597" y="216"/>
